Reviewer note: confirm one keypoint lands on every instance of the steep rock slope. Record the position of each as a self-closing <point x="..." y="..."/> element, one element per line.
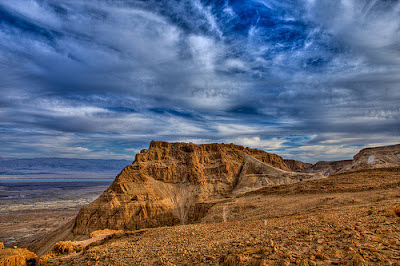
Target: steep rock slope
<point x="330" y="167"/>
<point x="256" y="174"/>
<point x="378" y="157"/>
<point x="368" y="158"/>
<point x="297" y="166"/>
<point x="169" y="179"/>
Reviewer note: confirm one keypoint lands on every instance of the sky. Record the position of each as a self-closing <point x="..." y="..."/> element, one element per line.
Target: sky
<point x="306" y="79"/>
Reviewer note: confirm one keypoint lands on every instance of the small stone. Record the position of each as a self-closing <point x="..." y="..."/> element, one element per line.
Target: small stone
<point x="271" y="243"/>
<point x="337" y="253"/>
<point x="304" y="262"/>
<point x="358" y="260"/>
<point x="285" y="263"/>
<point x="312" y="263"/>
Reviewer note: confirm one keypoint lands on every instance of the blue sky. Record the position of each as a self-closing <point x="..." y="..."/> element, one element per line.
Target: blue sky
<point x="306" y="79"/>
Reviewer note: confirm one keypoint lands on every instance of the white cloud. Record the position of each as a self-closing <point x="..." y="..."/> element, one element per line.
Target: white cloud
<point x="206" y="11"/>
<point x="371" y="28"/>
<point x="104" y="78"/>
<point x="257" y="142"/>
<point x="205" y="51"/>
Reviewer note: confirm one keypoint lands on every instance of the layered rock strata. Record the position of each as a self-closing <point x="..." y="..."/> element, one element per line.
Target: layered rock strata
<point x="368" y="158"/>
<point x="168" y="181"/>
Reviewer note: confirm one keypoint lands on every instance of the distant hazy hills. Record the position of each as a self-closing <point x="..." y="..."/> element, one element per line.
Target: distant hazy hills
<point x="59" y="166"/>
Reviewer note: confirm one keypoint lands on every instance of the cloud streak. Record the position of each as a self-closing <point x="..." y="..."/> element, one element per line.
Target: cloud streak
<point x="307" y="79"/>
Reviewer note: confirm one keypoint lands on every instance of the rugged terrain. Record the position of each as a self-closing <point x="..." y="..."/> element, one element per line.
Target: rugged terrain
<point x="297" y="166"/>
<point x="17" y="256"/>
<point x="172" y="183"/>
<point x="237" y="206"/>
<point x="368" y="158"/>
<point x="347" y="219"/>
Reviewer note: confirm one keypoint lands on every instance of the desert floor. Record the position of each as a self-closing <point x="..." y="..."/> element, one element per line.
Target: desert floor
<point x="347" y="219"/>
<point x="30" y="210"/>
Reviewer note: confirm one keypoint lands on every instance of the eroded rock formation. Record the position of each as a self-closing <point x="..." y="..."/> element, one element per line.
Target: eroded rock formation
<point x="167" y="179"/>
<point x="368" y="158"/>
<point x="378" y="157"/>
<point x="17" y="256"/>
<point x="330" y="167"/>
<point x="297" y="166"/>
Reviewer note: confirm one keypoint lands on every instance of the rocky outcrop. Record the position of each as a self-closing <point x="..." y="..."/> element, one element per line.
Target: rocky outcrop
<point x="368" y="158"/>
<point x="297" y="166"/>
<point x="330" y="167"/>
<point x="378" y="157"/>
<point x="168" y="181"/>
<point x="256" y="174"/>
<point x="17" y="257"/>
<point x="46" y="242"/>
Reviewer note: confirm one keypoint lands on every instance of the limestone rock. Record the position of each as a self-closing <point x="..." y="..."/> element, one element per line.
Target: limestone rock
<point x="330" y="167"/>
<point x="378" y="157"/>
<point x="297" y="166"/>
<point x="368" y="158"/>
<point x="256" y="174"/>
<point x="169" y="179"/>
<point x="18" y="256"/>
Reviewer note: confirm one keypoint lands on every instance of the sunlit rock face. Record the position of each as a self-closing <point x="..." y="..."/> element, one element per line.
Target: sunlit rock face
<point x="368" y="158"/>
<point x="172" y="183"/>
<point x="17" y="256"/>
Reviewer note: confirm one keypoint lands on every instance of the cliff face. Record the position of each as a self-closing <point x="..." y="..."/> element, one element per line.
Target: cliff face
<point x="330" y="167"/>
<point x="377" y="157"/>
<point x="297" y="166"/>
<point x="17" y="256"/>
<point x="368" y="158"/>
<point x="170" y="181"/>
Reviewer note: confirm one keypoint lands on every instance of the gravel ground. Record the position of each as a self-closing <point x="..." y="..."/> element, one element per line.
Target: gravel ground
<point x="347" y="219"/>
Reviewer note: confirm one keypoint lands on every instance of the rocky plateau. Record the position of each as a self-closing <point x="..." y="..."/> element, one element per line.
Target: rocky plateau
<point x="368" y="158"/>
<point x="237" y="206"/>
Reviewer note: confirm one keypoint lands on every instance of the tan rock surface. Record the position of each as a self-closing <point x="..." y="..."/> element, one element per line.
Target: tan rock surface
<point x="172" y="183"/>
<point x="297" y="166"/>
<point x="368" y="158"/>
<point x="168" y="178"/>
<point x="17" y="257"/>
<point x="328" y="168"/>
<point x="346" y="219"/>
<point x="378" y="157"/>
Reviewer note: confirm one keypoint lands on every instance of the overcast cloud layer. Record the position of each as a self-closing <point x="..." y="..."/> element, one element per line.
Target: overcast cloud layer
<point x="306" y="79"/>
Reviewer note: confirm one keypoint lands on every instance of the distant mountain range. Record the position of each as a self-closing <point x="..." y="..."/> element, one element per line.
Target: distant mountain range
<point x="43" y="167"/>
